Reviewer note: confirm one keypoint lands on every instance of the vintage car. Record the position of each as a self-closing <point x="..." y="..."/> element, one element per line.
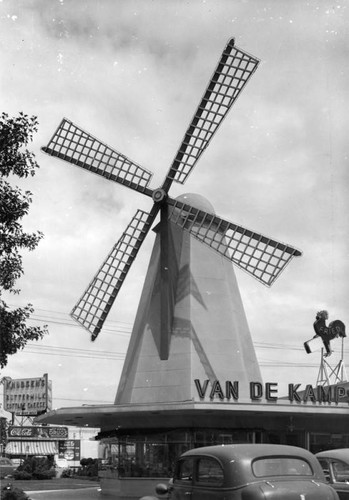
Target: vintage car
<point x="335" y="464"/>
<point x="247" y="472"/>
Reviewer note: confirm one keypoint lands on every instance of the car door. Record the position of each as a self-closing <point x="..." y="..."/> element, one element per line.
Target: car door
<point x="340" y="474"/>
<point x="182" y="486"/>
<point x="337" y="475"/>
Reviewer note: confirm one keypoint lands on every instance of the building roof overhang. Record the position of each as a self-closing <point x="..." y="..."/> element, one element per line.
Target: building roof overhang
<point x="189" y="414"/>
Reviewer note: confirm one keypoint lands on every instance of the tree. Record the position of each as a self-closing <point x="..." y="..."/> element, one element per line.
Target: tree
<point x="15" y="160"/>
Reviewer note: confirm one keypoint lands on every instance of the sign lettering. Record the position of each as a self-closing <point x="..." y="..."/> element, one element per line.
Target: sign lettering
<point x="27" y="396"/>
<point x="36" y="432"/>
<point x="230" y="391"/>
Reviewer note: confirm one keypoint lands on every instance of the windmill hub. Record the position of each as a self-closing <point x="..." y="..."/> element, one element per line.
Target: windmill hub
<point x="159" y="195"/>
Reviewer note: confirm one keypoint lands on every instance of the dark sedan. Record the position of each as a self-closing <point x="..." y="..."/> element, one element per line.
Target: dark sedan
<point x="247" y="472"/>
<point x="335" y="464"/>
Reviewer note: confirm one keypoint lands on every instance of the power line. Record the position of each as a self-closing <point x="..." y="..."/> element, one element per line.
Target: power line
<point x="272" y="364"/>
<point x="82" y="400"/>
<point x="74" y="353"/>
<point x="79" y="352"/>
<point x="76" y="349"/>
<point x="105" y="358"/>
<point x="120" y="356"/>
<point x="64" y="313"/>
<point x="93" y="354"/>
<point x="72" y="324"/>
<point x="121" y="327"/>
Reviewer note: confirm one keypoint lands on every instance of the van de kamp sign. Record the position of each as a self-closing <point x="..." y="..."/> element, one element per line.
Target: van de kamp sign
<point x="257" y="391"/>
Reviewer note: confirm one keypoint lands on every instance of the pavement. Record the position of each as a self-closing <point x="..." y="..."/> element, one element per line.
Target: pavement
<point x="51" y="484"/>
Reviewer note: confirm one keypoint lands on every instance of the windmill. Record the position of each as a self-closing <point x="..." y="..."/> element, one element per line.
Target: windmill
<point x="262" y="257"/>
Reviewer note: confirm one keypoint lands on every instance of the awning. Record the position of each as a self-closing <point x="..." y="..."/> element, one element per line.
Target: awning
<point x="31" y="448"/>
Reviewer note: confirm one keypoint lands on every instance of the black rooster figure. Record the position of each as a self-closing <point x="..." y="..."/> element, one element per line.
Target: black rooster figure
<point x="327" y="333"/>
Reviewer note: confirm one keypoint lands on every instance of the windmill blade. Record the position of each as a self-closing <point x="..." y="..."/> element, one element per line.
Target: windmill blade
<point x="74" y="145"/>
<point x="230" y="77"/>
<point x="262" y="257"/>
<point x="93" y="307"/>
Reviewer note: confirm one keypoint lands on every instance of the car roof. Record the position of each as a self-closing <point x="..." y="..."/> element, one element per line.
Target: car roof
<point x="251" y="451"/>
<point x="236" y="460"/>
<point x="340" y="453"/>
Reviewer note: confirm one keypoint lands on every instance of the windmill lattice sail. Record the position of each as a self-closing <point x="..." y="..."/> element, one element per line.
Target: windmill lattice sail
<point x="96" y="302"/>
<point x="72" y="144"/>
<point x="260" y="256"/>
<point x="233" y="71"/>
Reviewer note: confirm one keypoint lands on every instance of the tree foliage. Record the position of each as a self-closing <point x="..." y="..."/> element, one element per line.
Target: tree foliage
<point x="15" y="161"/>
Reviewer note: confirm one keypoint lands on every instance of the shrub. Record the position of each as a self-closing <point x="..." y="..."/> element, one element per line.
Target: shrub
<point x="11" y="493"/>
<point x="22" y="475"/>
<point x="43" y="474"/>
<point x="89" y="467"/>
<point x="35" y="467"/>
<point x="66" y="473"/>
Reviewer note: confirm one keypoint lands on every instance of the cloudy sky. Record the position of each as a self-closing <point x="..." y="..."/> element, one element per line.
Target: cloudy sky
<point x="132" y="73"/>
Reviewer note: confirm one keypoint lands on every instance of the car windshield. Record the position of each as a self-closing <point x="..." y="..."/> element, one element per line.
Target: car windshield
<point x="281" y="466"/>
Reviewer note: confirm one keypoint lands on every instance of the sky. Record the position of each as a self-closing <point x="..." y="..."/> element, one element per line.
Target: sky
<point x="132" y="74"/>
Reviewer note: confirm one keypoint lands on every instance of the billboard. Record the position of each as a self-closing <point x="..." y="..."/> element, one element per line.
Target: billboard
<point x="69" y="449"/>
<point x="32" y="432"/>
<point x="27" y="396"/>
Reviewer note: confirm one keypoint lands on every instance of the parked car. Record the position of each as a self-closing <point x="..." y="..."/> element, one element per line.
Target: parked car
<point x="247" y="471"/>
<point x="335" y="464"/>
<point x="7" y="467"/>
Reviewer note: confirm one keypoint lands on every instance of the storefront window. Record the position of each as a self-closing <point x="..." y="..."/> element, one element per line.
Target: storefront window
<point x="154" y="455"/>
<point x="326" y="441"/>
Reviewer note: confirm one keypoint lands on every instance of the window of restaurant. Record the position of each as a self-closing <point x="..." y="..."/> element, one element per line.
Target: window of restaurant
<point x="154" y="455"/>
<point x="327" y="441"/>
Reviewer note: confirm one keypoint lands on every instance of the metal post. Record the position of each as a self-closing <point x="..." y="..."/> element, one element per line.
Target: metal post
<point x="329" y="375"/>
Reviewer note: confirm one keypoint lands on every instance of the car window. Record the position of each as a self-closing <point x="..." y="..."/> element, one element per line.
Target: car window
<point x="5" y="461"/>
<point x="325" y="467"/>
<point x="281" y="466"/>
<point x="209" y="471"/>
<point x="184" y="470"/>
<point x="340" y="471"/>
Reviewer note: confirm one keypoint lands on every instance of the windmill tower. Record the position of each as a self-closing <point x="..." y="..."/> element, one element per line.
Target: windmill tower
<point x="190" y="322"/>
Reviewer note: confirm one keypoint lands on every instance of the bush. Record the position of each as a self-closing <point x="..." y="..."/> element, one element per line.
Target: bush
<point x="89" y="467"/>
<point x="44" y="474"/>
<point x="35" y="468"/>
<point x="22" y="475"/>
<point x="67" y="473"/>
<point x="11" y="493"/>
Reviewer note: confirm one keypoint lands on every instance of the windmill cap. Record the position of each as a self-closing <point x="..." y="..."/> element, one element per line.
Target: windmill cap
<point x="197" y="201"/>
